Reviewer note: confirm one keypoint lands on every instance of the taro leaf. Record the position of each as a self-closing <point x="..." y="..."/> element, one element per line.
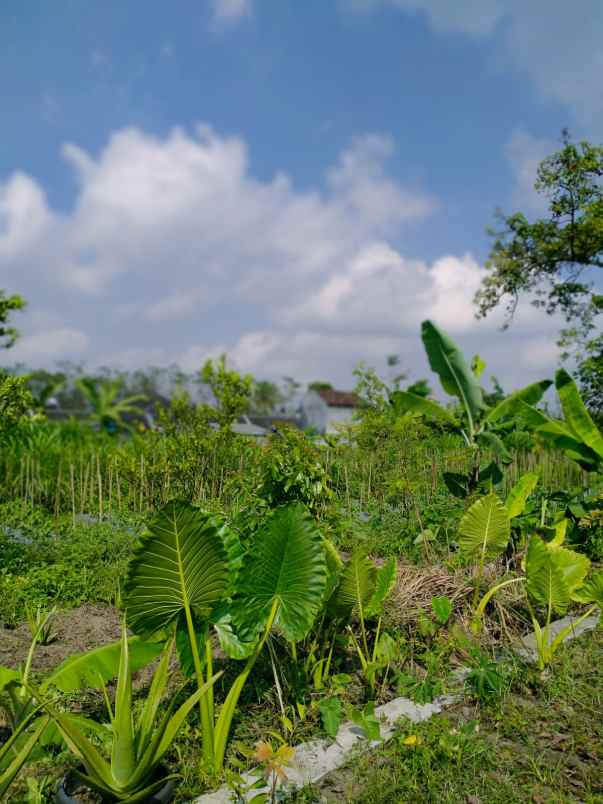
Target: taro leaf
<point x="180" y="562"/>
<point x="577" y="417"/>
<point x="86" y="670"/>
<point x="403" y="401"/>
<point x="573" y="566"/>
<point x="357" y="584"/>
<point x="367" y="721"/>
<point x="484" y="530"/>
<point x="513" y="404"/>
<point x="591" y="591"/>
<point x="442" y="608"/>
<point x="491" y="472"/>
<point x="456" y="484"/>
<point x="386" y="578"/>
<point x="286" y="568"/>
<point x="331" y="714"/>
<point x="518" y="496"/>
<point x="544" y="580"/>
<point x="447" y="360"/>
<point x="230" y="643"/>
<point x="491" y="441"/>
<point x="8" y="676"/>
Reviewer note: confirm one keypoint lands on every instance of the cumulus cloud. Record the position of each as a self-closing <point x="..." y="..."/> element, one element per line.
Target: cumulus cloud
<point x="174" y="252"/>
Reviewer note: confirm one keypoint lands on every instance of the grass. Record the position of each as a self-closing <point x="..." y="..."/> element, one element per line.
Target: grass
<point x="542" y="742"/>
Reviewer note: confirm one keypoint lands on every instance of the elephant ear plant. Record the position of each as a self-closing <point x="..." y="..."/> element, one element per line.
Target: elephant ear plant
<point x="189" y="575"/>
<point x="134" y="772"/>
<point x="554" y="577"/>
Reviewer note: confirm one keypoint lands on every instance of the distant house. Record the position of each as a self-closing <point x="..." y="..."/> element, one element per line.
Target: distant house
<point x="321" y="410"/>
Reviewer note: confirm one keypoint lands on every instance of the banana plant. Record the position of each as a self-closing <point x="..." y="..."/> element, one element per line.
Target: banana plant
<point x="138" y="745"/>
<point x="189" y="575"/>
<point x="576" y="435"/>
<point x="554" y="577"/>
<point x="478" y="424"/>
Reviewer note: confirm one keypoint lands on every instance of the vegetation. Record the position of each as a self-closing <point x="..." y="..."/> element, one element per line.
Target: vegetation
<point x="284" y="585"/>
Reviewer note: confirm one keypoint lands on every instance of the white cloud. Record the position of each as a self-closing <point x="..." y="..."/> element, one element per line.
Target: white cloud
<point x="556" y="43"/>
<point x="175" y="252"/>
<point x="227" y="12"/>
<point x="466" y="16"/>
<point x="525" y="153"/>
<point x="50" y="345"/>
<point x="23" y="215"/>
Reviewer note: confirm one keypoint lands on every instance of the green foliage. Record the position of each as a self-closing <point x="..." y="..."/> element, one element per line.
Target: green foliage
<point x="108" y="407"/>
<point x="138" y="745"/>
<point x="16" y="403"/>
<point x="232" y="392"/>
<point x="442" y="608"/>
<point x="556" y="249"/>
<point x="484" y="531"/>
<point x="291" y="471"/>
<point x="446" y="359"/>
<point x="8" y="305"/>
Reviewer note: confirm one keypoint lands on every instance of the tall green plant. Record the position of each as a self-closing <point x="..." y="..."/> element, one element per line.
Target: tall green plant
<point x="138" y="745"/>
<point x="554" y="577"/>
<point x="480" y="425"/>
<point x="187" y="574"/>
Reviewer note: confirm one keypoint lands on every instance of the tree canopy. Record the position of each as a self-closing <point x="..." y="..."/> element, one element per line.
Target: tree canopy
<point x="552" y="257"/>
<point x="8" y="304"/>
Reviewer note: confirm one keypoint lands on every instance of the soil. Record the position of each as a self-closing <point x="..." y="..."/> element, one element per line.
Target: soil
<point x="77" y="630"/>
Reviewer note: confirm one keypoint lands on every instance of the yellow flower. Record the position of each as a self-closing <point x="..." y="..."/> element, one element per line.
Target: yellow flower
<point x="412" y="740"/>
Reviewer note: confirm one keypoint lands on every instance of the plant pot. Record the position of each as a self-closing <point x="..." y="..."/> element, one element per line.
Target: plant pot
<point x="66" y="793"/>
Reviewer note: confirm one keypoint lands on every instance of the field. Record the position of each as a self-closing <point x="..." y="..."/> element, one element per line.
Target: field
<point x="303" y="580"/>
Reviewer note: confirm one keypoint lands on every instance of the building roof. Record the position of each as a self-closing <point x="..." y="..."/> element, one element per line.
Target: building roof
<point x="339" y="399"/>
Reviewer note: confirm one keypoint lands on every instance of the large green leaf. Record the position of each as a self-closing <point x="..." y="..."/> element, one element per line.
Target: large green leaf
<point x="286" y="567"/>
<point x="573" y="566"/>
<point x="545" y="582"/>
<point x="100" y="665"/>
<point x="491" y="441"/>
<point x="403" y="401"/>
<point x="591" y="591"/>
<point x="485" y="529"/>
<point x="446" y="359"/>
<point x="181" y="561"/>
<point x="530" y="395"/>
<point x="577" y="417"/>
<point x="385" y="580"/>
<point x="357" y="585"/>
<point x="518" y="496"/>
<point x="555" y="435"/>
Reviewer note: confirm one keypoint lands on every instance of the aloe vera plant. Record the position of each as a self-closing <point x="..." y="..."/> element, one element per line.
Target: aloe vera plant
<point x="188" y="574"/>
<point x="15" y="751"/>
<point x="133" y="773"/>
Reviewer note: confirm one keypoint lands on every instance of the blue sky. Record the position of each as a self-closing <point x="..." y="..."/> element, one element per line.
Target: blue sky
<point x="297" y="184"/>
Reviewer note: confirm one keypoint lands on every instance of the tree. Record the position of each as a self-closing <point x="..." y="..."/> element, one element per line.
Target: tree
<point x="103" y="397"/>
<point x="552" y="257"/>
<point x="266" y="396"/>
<point x="8" y="304"/>
<point x="231" y="390"/>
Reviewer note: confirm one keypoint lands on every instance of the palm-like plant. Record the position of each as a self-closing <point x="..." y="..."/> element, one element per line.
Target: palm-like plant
<point x="103" y="397"/>
<point x="479" y="424"/>
<point x="188" y="575"/>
